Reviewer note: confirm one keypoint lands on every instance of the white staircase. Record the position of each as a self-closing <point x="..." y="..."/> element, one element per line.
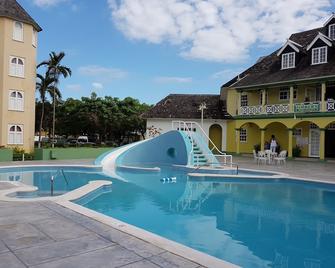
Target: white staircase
<point x="200" y="154"/>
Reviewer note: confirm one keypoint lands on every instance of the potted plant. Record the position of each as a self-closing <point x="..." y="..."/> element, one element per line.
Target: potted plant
<point x="296" y="152"/>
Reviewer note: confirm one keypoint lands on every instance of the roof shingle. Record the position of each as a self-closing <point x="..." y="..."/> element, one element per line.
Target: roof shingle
<point x="13" y="10"/>
<point x="187" y="106"/>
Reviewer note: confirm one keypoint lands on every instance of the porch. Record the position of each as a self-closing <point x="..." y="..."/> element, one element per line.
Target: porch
<point x="310" y="137"/>
<point x="293" y="99"/>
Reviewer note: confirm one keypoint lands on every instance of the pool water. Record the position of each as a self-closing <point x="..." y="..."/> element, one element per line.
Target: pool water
<point x="251" y="223"/>
<point x="65" y="179"/>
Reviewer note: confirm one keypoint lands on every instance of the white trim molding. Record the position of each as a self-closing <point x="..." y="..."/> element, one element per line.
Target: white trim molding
<point x="322" y="37"/>
<point x="295" y="46"/>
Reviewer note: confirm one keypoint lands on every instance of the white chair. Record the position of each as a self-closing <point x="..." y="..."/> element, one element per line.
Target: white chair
<point x="268" y="154"/>
<point x="281" y="158"/>
<point x="262" y="158"/>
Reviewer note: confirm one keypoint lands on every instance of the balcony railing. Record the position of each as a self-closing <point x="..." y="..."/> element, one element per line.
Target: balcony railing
<point x="305" y="107"/>
<point x="251" y="110"/>
<point x="331" y="105"/>
<point x="277" y="109"/>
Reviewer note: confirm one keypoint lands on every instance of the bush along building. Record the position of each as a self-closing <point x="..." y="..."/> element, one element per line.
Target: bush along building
<point x="18" y="45"/>
<point x="289" y="93"/>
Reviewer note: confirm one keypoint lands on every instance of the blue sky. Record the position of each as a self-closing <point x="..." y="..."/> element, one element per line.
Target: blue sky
<point x="149" y="48"/>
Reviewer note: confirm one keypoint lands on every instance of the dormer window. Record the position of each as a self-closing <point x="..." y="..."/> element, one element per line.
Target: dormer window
<point x="331" y="31"/>
<point x="288" y="60"/>
<point x="319" y="55"/>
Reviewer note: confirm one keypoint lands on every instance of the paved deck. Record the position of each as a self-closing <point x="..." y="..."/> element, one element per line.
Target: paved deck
<point x="305" y="168"/>
<point x="44" y="234"/>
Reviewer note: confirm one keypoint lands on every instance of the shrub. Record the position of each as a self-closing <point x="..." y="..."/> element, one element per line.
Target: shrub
<point x="296" y="152"/>
<point x="257" y="147"/>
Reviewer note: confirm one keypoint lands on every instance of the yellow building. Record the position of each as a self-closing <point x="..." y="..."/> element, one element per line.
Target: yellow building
<point x="18" y="45"/>
<point x="290" y="94"/>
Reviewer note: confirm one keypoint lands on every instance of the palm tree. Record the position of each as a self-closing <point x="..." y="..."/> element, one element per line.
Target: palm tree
<point x="55" y="69"/>
<point x="45" y="85"/>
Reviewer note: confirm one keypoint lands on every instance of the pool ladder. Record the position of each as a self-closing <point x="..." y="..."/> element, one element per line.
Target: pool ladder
<point x="52" y="180"/>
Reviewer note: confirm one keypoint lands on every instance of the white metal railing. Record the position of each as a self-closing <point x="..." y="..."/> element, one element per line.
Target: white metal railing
<point x="184" y="126"/>
<point x="331" y="105"/>
<point x="191" y="125"/>
<point x="251" y="110"/>
<point x="277" y="108"/>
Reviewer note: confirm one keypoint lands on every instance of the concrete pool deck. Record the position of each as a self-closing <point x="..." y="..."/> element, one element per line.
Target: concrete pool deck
<point x="45" y="234"/>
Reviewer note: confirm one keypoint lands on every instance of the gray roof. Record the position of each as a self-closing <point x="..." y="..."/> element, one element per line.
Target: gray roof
<point x="268" y="70"/>
<point x="187" y="106"/>
<point x="13" y="10"/>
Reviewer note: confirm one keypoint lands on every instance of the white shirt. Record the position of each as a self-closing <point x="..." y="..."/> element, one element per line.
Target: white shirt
<point x="273" y="143"/>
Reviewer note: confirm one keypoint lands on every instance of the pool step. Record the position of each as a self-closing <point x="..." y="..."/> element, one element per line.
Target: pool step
<point x="199" y="159"/>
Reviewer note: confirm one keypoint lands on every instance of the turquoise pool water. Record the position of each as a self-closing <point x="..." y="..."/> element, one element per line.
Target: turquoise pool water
<point x="249" y="222"/>
<point x="65" y="179"/>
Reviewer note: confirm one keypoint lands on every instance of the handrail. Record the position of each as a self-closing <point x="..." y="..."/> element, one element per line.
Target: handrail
<point x="188" y="134"/>
<point x="203" y="132"/>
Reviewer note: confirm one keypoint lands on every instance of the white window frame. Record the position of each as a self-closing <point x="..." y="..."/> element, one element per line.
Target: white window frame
<point x="16" y="69"/>
<point x="295" y="92"/>
<point x="287" y="65"/>
<point x="15" y="103"/>
<point x="244" y="100"/>
<point x="34" y="38"/>
<point x="18" y="36"/>
<point x="15" y="137"/>
<point x="317" y="60"/>
<point x="331" y="31"/>
<point x="243" y="135"/>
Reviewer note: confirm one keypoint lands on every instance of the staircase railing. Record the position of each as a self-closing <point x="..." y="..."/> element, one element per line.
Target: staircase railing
<point x="182" y="126"/>
<point x="195" y="125"/>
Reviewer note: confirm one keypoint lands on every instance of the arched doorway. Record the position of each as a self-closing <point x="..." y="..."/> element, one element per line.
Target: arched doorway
<point x="215" y="134"/>
<point x="280" y="132"/>
<point x="306" y="136"/>
<point x="330" y="140"/>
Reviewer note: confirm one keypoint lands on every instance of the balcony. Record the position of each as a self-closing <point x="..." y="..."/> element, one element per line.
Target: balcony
<point x="305" y="107"/>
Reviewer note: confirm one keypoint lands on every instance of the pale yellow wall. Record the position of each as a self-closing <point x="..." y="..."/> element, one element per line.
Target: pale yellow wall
<point x="232" y="101"/>
<point x="25" y="49"/>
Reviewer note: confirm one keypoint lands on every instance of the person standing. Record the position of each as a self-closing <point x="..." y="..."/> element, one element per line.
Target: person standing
<point x="273" y="144"/>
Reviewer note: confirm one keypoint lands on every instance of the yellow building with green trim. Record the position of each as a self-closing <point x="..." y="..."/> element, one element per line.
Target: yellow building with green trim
<point x="290" y="94"/>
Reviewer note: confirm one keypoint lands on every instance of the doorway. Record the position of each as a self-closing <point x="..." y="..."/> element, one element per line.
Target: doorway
<point x="215" y="134"/>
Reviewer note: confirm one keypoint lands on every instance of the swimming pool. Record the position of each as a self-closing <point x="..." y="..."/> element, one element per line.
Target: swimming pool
<point x="248" y="222"/>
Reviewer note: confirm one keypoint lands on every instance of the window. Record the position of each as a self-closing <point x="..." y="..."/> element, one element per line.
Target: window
<point x="331" y="33"/>
<point x="297" y="132"/>
<point x="16" y="100"/>
<point x="261" y="98"/>
<point x="284" y="94"/>
<point x="319" y="55"/>
<point x="244" y="100"/>
<point x="243" y="135"/>
<point x="34" y="38"/>
<point x="288" y="60"/>
<point x="15" y="134"/>
<point x="16" y="67"/>
<point x="18" y="31"/>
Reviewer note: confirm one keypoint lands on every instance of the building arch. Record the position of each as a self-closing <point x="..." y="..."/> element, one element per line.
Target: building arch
<point x="215" y="134"/>
<point x="330" y="140"/>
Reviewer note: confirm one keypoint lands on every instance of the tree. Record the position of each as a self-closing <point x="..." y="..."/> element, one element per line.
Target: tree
<point x="55" y="69"/>
<point x="45" y="85"/>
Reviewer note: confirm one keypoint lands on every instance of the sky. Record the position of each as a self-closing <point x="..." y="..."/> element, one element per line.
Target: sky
<point x="148" y="49"/>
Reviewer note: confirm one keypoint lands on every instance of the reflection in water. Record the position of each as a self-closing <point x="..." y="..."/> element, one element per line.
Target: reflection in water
<point x="249" y="223"/>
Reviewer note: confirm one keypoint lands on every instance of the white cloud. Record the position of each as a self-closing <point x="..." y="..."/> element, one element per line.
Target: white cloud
<point x="47" y="3"/>
<point x="74" y="87"/>
<point x="172" y="79"/>
<point x="97" y="86"/>
<point x="216" y="30"/>
<point x="103" y="73"/>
